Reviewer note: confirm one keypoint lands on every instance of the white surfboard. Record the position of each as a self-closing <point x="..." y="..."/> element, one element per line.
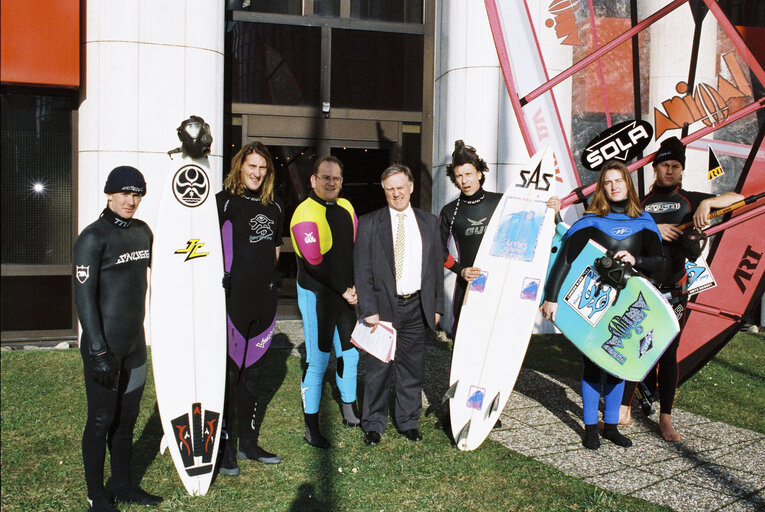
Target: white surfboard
<point x="500" y="307"/>
<point x="188" y="321"/>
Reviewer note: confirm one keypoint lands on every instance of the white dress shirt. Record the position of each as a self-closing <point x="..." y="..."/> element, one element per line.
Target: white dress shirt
<point x="410" y="278"/>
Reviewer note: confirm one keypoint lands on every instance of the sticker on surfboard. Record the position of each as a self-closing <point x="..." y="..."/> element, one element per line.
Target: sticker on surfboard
<point x="475" y="397"/>
<point x="589" y="297"/>
<point x="519" y="229"/>
<point x="479" y="283"/>
<point x="191" y="186"/>
<point x="530" y="288"/>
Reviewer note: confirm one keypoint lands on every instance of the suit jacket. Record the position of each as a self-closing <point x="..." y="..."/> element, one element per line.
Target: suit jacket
<point x="374" y="266"/>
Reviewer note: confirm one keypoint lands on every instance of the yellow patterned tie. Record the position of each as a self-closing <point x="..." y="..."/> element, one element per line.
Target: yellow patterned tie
<point x="398" y="247"/>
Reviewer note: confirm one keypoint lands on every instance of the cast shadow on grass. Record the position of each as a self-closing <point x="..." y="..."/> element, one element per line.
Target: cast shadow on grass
<point x="146" y="447"/>
<point x="272" y="378"/>
<point x="318" y="494"/>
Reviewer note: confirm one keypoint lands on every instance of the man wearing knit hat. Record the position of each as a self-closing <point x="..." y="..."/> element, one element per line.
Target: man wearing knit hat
<point x="111" y="259"/>
<point x="670" y="205"/>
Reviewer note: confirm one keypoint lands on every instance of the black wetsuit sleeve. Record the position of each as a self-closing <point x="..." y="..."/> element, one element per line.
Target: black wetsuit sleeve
<point x="652" y="257"/>
<point x="449" y="262"/>
<point x="570" y="249"/>
<point x="222" y="201"/>
<point x="88" y="251"/>
<point x="279" y="227"/>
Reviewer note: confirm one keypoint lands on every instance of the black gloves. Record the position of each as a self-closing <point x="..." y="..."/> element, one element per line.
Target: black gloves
<point x="106" y="370"/>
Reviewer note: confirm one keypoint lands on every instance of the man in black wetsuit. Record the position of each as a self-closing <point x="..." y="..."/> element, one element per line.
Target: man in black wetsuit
<point x="465" y="219"/>
<point x="251" y="216"/>
<point x="670" y="205"/>
<point x="111" y="258"/>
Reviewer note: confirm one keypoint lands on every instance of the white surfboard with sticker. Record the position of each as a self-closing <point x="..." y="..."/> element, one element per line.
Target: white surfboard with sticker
<point x="500" y="307"/>
<point x="188" y="321"/>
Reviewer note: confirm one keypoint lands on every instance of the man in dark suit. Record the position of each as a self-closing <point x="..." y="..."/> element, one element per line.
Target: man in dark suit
<point x="398" y="261"/>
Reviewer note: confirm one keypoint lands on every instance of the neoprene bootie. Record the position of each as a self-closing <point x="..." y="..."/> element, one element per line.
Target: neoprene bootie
<point x="350" y="414"/>
<point x="249" y="449"/>
<point x="134" y="494"/>
<point x="611" y="433"/>
<point x="312" y="434"/>
<point x="228" y="465"/>
<point x="591" y="440"/>
<point x="101" y="504"/>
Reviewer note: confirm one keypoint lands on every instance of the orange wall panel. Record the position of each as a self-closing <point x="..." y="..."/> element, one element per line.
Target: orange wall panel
<point x="40" y="43"/>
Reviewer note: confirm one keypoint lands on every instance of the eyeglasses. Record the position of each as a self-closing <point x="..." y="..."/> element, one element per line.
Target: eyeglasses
<point x="330" y="179"/>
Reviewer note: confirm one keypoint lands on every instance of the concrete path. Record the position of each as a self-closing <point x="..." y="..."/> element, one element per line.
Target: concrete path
<point x="715" y="466"/>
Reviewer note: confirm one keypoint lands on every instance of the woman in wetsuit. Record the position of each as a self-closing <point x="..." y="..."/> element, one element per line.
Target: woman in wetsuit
<point x="615" y="221"/>
<point x="251" y="219"/>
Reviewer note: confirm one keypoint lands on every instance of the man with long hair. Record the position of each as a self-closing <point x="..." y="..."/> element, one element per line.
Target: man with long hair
<point x="251" y="218"/>
<point x="615" y="221"/>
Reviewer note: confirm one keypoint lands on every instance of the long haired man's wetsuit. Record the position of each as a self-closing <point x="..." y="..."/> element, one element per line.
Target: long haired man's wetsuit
<point x="251" y="232"/>
<point x="669" y="205"/>
<point x="465" y="219"/>
<point x="111" y="258"/>
<point x="323" y="233"/>
<point x="615" y="231"/>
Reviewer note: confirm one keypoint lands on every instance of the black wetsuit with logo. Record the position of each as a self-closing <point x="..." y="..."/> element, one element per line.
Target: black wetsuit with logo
<point x="251" y="231"/>
<point x="111" y="257"/>
<point x="465" y="219"/>
<point x="669" y="205"/>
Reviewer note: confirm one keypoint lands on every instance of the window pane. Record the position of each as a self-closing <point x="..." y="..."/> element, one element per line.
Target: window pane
<point x="270" y="6"/>
<point x="402" y="11"/>
<point x="326" y="7"/>
<point x="376" y="70"/>
<point x="274" y="64"/>
<point x="36" y="303"/>
<point x="36" y="162"/>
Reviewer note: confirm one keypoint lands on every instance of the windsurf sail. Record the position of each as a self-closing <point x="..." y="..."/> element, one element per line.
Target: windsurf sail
<point x="574" y="68"/>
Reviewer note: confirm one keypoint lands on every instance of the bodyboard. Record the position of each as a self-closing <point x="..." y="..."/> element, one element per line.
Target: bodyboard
<point x="624" y="333"/>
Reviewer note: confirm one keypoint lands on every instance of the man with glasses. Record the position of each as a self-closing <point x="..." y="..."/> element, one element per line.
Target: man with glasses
<point x="323" y="230"/>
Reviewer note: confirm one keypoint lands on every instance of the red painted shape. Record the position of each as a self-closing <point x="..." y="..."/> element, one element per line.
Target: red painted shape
<point x="738" y="265"/>
<point x="40" y="43"/>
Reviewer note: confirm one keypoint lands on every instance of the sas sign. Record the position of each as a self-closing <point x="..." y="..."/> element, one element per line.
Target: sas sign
<point x="623" y="141"/>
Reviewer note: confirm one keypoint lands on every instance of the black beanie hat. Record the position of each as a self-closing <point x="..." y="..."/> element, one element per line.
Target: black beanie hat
<point x="125" y="179"/>
<point x="670" y="149"/>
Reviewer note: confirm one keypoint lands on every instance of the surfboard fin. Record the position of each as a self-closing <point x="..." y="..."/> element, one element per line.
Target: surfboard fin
<point x="449" y="392"/>
<point x="494" y="404"/>
<point x="463" y="433"/>
<point x="163" y="445"/>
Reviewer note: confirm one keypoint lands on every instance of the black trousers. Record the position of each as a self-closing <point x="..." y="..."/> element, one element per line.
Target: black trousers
<point x="408" y="365"/>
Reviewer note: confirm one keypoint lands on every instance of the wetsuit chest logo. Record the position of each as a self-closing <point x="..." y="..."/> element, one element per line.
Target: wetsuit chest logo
<point x="621" y="232"/>
<point x="663" y="207"/>
<point x="132" y="256"/>
<point x="476" y="227"/>
<point x="82" y="272"/>
<point x="261" y="225"/>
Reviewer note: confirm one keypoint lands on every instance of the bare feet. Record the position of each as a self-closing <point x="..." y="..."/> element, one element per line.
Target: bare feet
<point x="668" y="432"/>
<point x="625" y="415"/>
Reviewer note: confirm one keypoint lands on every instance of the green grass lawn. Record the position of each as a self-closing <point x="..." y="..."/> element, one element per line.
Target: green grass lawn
<point x="730" y="388"/>
<point x="43" y="410"/>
